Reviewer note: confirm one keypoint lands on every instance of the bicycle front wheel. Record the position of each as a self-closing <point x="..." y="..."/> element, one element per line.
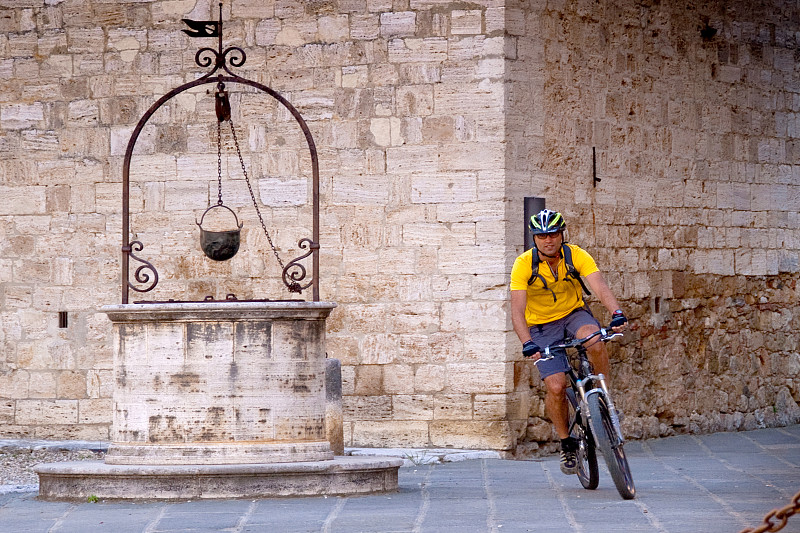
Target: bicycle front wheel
<point x="613" y="453"/>
<point x="588" y="473"/>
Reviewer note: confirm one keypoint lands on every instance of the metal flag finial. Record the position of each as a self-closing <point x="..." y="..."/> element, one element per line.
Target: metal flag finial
<point x="202" y="28"/>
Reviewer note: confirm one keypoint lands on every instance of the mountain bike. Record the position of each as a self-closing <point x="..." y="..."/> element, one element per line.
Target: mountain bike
<point x="593" y="419"/>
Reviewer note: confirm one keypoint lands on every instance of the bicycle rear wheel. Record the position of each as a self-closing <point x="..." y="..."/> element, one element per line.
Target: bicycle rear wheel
<point x="588" y="473"/>
<point x="613" y="453"/>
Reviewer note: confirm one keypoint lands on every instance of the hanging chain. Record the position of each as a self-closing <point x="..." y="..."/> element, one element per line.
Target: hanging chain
<point x="781" y="514"/>
<point x="253" y="196"/>
<point x="219" y="163"/>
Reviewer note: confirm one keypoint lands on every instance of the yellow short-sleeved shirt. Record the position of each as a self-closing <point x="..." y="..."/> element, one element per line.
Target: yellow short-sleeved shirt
<point x="541" y="308"/>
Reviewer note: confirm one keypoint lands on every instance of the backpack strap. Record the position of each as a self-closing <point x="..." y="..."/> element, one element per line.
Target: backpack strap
<point x="572" y="272"/>
<point x="535" y="273"/>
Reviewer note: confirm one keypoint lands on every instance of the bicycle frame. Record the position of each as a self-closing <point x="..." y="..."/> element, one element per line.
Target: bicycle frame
<point x="595" y="415"/>
<point x="586" y="381"/>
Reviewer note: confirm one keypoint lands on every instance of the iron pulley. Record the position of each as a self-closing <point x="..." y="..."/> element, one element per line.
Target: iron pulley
<point x="222" y="104"/>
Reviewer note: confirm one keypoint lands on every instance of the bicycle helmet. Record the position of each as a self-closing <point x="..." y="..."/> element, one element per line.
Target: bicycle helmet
<point x="546" y="221"/>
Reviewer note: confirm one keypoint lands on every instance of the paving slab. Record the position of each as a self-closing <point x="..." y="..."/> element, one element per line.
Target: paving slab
<point x="711" y="483"/>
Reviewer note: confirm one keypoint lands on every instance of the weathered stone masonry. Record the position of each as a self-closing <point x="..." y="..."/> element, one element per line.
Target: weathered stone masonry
<point x="695" y="220"/>
<point x="433" y="119"/>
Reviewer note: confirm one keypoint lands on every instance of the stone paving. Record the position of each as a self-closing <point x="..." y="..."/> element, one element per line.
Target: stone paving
<point x="721" y="482"/>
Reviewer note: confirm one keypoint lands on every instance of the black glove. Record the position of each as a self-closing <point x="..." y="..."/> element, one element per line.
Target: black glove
<point x="618" y="319"/>
<point x="529" y="349"/>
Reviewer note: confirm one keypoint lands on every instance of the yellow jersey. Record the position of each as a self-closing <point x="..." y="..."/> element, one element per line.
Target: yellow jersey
<point x="543" y="305"/>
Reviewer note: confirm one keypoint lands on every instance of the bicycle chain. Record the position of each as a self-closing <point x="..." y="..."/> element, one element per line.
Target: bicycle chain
<point x="781" y="514"/>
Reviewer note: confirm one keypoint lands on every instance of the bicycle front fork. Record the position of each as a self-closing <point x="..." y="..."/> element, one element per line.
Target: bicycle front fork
<point x="612" y="411"/>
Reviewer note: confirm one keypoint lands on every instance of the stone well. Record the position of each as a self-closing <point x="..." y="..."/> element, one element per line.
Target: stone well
<point x="218" y="399"/>
<point x="219" y="383"/>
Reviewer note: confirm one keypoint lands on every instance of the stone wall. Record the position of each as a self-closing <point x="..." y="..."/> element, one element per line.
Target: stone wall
<point x="695" y="220"/>
<point x="433" y="119"/>
<point x="405" y="104"/>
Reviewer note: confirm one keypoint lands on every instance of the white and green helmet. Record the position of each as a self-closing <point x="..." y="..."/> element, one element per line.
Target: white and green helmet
<point x="546" y="221"/>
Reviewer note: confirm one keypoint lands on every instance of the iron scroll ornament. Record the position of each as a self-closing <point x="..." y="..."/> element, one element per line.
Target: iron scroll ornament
<point x="219" y="59"/>
<point x="141" y="274"/>
<point x="294" y="272"/>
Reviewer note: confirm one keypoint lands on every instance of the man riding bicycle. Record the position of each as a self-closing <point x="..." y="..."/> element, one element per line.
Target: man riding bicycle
<point x="547" y="305"/>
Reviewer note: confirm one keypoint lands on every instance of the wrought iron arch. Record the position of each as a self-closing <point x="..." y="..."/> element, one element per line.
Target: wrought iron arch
<point x="294" y="272"/>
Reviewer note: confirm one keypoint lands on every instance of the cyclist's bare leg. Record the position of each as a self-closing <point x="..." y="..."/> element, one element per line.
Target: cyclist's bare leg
<point x="555" y="403"/>
<point x="596" y="350"/>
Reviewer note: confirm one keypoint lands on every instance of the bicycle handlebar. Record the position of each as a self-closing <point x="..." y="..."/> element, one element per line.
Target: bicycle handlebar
<point x="606" y="334"/>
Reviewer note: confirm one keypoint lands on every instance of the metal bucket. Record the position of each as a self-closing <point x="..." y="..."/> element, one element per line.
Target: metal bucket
<point x="220" y="245"/>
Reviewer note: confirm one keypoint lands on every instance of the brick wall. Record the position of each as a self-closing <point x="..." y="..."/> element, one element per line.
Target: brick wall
<point x="432" y="120"/>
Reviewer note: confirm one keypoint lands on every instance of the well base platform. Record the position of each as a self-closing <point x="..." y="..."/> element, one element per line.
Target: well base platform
<point x="78" y="480"/>
<point x="222" y="453"/>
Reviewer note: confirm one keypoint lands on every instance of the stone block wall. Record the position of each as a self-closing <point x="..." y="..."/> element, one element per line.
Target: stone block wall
<point x="405" y="103"/>
<point x="433" y="119"/>
<point x="690" y="110"/>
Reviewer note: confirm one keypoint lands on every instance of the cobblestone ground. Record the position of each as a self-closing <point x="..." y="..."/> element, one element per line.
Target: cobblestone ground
<point x="717" y="483"/>
<point x="17" y="461"/>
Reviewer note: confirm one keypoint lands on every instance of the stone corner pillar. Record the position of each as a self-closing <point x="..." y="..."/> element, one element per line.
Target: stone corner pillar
<point x="334" y="418"/>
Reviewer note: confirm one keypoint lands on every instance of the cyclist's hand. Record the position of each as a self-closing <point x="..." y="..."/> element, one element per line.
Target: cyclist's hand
<point x="618" y="321"/>
<point x="529" y="349"/>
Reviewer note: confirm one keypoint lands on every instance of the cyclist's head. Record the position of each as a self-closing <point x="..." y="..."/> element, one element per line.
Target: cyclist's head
<point x="546" y="222"/>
